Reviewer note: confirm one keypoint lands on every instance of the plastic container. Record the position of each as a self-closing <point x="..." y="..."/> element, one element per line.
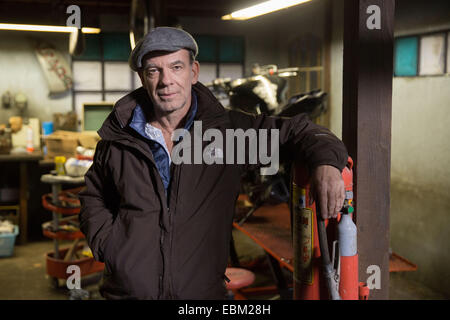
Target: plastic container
<point x="59" y="165"/>
<point x="7" y="241"/>
<point x="47" y="128"/>
<point x="30" y="145"/>
<point x="347" y="233"/>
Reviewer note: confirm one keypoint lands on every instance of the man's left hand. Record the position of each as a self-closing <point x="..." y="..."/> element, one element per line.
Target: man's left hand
<point x="328" y="190"/>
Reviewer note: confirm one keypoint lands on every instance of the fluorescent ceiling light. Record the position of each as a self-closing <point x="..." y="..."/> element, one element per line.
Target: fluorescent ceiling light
<point x="33" y="27"/>
<point x="262" y="8"/>
<point x="90" y="30"/>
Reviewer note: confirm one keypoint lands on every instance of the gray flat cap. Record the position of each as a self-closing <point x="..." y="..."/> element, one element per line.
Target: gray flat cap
<point x="161" y="39"/>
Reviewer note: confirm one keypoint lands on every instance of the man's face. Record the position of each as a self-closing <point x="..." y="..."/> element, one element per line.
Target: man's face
<point x="168" y="78"/>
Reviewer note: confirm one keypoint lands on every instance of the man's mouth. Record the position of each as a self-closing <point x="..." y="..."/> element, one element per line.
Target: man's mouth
<point x="167" y="95"/>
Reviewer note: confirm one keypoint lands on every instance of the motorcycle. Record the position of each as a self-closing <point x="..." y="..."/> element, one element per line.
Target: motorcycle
<point x="264" y="92"/>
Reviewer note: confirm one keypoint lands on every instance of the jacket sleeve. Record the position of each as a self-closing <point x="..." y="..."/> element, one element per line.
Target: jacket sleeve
<point x="299" y="138"/>
<point x="96" y="214"/>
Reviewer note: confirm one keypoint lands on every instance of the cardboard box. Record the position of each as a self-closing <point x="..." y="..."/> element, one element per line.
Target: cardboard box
<point x="88" y="139"/>
<point x="61" y="143"/>
<point x="65" y="143"/>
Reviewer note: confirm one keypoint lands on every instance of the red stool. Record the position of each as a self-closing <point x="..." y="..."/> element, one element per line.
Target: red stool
<point x="239" y="278"/>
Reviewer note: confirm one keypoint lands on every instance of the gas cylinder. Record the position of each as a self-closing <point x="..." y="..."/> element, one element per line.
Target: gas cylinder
<point x="347" y="239"/>
<point x="308" y="280"/>
<point x="347" y="235"/>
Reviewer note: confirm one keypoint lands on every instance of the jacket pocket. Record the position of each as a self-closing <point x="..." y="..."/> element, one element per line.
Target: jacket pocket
<point x="121" y="232"/>
<point x="132" y="255"/>
<point x="111" y="240"/>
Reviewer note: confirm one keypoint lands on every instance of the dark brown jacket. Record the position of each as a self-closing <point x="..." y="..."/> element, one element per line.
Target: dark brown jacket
<point x="176" y="247"/>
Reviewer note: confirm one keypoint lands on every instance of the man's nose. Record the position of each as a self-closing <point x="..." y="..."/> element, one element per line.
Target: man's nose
<point x="165" y="78"/>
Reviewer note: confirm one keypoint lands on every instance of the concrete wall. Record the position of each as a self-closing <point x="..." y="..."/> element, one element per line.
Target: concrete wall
<point x="21" y="72"/>
<point x="420" y="171"/>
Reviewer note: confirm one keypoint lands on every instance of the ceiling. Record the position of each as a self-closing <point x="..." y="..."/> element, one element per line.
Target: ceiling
<point x="53" y="12"/>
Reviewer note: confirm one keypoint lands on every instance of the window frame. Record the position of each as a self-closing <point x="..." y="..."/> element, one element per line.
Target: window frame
<point x="102" y="61"/>
<point x="217" y="61"/>
<point x="419" y="36"/>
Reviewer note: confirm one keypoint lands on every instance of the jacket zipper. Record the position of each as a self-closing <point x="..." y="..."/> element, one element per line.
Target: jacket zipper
<point x="177" y="173"/>
<point x="161" y="276"/>
<point x="167" y="267"/>
<point x="165" y="263"/>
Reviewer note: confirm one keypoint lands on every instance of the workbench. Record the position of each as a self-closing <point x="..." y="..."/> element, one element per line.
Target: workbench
<point x="23" y="159"/>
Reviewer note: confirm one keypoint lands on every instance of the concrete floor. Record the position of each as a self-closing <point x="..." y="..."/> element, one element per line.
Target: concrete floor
<point x="23" y="275"/>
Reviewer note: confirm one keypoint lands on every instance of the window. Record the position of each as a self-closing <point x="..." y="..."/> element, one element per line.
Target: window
<point x="432" y="52"/>
<point x="220" y="57"/>
<point x="422" y="55"/>
<point x="101" y="73"/>
<point x="406" y="56"/>
<point x="306" y="53"/>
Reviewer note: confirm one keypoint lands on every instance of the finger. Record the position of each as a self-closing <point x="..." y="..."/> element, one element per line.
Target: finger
<point x="339" y="202"/>
<point x="331" y="203"/>
<point x="342" y="198"/>
<point x="323" y="202"/>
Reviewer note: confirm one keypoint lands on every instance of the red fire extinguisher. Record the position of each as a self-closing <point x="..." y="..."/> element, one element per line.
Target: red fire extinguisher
<point x="316" y="274"/>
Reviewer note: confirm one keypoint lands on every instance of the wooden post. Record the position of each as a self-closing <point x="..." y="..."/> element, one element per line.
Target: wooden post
<point x="367" y="104"/>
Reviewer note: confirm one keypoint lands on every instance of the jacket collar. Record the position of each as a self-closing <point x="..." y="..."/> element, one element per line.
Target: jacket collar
<point x="139" y="119"/>
<point x="209" y="111"/>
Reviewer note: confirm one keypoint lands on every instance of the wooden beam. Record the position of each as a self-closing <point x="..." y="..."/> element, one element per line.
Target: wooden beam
<point x="158" y="12"/>
<point x="328" y="22"/>
<point x="367" y="104"/>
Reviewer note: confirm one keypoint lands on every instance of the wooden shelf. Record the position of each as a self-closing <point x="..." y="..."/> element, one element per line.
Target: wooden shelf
<point x="400" y="264"/>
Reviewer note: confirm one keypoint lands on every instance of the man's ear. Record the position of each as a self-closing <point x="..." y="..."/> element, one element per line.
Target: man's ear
<point x="195" y="69"/>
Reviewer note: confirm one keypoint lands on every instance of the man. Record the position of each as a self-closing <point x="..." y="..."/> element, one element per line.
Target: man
<point x="163" y="229"/>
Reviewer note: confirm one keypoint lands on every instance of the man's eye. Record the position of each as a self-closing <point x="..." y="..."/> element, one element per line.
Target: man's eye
<point x="177" y="68"/>
<point x="151" y="72"/>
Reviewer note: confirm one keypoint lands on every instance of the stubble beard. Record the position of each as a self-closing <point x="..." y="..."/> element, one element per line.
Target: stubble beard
<point x="165" y="110"/>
